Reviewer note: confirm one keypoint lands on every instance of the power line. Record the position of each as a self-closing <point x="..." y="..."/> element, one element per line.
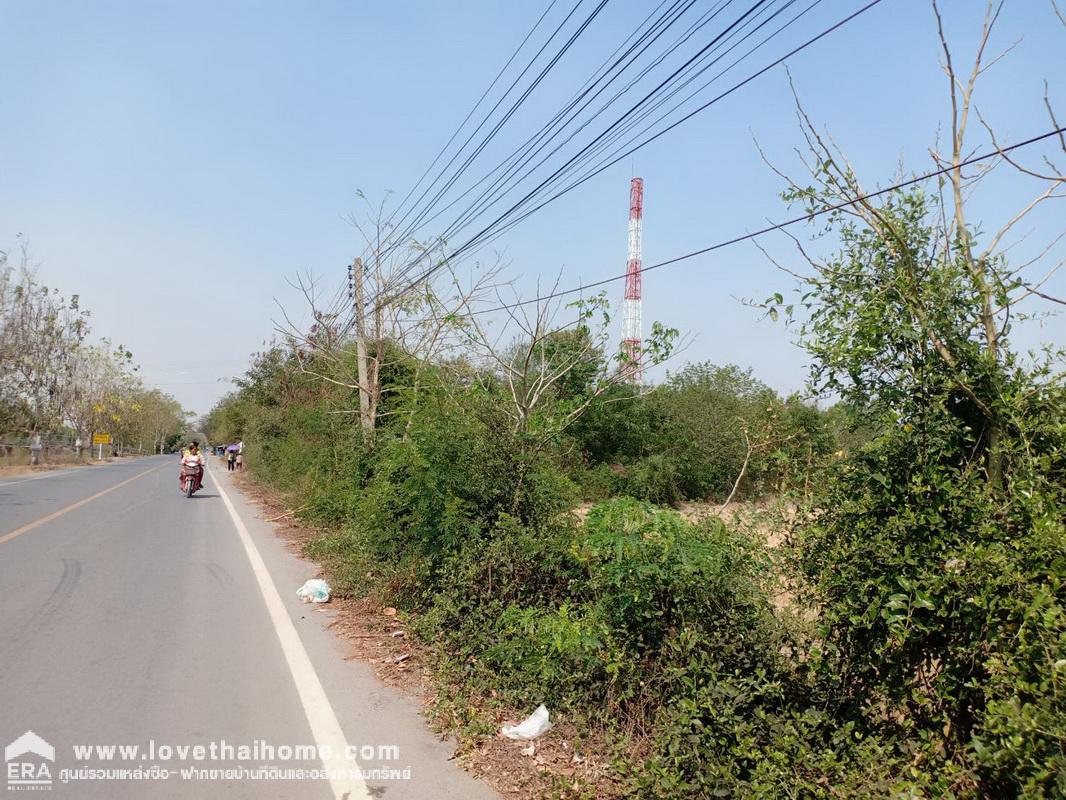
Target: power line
<point x="481" y="99"/>
<point x="459" y="224"/>
<point x="751" y="10"/>
<point x="509" y="113"/>
<point x="664" y="21"/>
<point x="568" y="164"/>
<point x="613" y="137"/>
<point x="778" y="226"/>
<point x="496" y="222"/>
<point x="688" y="116"/>
<point x="500" y="188"/>
<point x="611" y="159"/>
<point x="633" y="52"/>
<point x="342" y="293"/>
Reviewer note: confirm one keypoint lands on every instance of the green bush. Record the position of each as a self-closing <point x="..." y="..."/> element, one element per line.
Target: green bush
<point x="944" y="598"/>
<point x="935" y="556"/>
<point x="590" y="615"/>
<point x="752" y="730"/>
<point x="932" y="659"/>
<point x="655" y="479"/>
<point x="499" y="607"/>
<point x="687" y="440"/>
<point x="561" y="655"/>
<point x="654" y="573"/>
<point x="597" y="482"/>
<point x="452" y="479"/>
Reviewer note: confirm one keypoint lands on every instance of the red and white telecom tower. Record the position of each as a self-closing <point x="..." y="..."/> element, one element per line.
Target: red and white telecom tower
<point x="632" y="330"/>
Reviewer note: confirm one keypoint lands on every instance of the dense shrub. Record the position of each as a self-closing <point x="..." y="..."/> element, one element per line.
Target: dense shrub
<point x="452" y="477"/>
<point x="935" y="556"/>
<point x="654" y="573"/>
<point x="931" y="657"/>
<point x="591" y="613"/>
<point x="943" y="598"/>
<point x="690" y="438"/>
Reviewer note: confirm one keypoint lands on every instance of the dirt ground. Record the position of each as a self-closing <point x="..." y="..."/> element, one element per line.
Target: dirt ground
<point x="559" y="764"/>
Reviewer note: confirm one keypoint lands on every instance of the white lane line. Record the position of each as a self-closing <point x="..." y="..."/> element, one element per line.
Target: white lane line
<point x="49" y="474"/>
<point x="54" y="473"/>
<point x="29" y="526"/>
<point x="320" y="715"/>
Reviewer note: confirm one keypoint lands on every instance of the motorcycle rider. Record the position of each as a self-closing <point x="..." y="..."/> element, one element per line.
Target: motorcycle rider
<point x="192" y="458"/>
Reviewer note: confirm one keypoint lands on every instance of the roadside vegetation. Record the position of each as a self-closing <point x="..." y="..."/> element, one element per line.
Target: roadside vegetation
<point x="57" y="383"/>
<point x="922" y="650"/>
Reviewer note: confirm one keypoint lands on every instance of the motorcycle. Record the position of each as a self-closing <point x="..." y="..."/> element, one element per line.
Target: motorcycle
<point x="189" y="478"/>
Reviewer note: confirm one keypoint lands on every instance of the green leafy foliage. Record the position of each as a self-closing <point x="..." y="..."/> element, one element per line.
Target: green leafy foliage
<point x="927" y="654"/>
<point x="691" y="438"/>
<point x="935" y="555"/>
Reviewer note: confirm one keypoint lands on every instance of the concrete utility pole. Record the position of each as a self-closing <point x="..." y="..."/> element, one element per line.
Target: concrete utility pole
<point x="356" y="288"/>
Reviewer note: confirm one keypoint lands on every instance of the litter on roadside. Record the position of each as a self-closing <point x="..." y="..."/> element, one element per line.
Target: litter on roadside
<point x="315" y="590"/>
<point x="536" y="724"/>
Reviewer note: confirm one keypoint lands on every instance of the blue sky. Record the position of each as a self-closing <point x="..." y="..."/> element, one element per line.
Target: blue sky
<point x="175" y="163"/>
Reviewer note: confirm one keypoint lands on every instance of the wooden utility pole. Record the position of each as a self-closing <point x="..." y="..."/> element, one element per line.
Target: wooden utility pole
<point x="360" y="348"/>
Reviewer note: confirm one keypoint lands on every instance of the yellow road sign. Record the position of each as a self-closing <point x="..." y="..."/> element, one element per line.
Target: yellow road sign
<point x="101" y="438"/>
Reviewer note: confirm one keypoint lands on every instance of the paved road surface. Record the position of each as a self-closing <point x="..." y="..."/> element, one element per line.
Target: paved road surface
<point x="133" y="615"/>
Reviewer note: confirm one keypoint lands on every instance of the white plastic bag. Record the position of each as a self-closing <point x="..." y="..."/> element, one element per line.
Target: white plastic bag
<point x="536" y="724"/>
<point x="315" y="590"/>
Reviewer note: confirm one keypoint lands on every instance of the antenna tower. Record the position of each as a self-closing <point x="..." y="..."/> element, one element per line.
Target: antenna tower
<point x="632" y="330"/>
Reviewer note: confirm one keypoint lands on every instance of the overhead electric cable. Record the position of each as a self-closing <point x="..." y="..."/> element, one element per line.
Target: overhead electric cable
<point x="683" y="119"/>
<point x="499" y="188"/>
<point x="605" y="68"/>
<point x="506" y="165"/>
<point x="515" y="106"/>
<point x="781" y="225"/>
<point x="745" y="15"/>
<point x="477" y="105"/>
<point x="503" y="217"/>
<point x="342" y="294"/>
<point x="611" y="160"/>
<point x="606" y="142"/>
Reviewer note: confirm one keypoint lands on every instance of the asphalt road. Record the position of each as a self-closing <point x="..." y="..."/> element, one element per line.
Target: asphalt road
<point x="133" y="616"/>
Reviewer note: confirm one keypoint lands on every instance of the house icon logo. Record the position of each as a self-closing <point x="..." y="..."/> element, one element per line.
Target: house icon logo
<point x="26" y="763"/>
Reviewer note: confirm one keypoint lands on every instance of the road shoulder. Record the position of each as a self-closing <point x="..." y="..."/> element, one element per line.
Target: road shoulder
<point x="369" y="711"/>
